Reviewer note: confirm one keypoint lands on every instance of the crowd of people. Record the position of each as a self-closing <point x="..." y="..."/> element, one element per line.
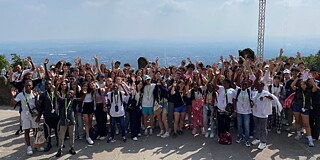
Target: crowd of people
<point x="259" y="97"/>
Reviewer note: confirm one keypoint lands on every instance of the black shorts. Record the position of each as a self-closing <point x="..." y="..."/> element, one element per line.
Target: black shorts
<point x="88" y="108"/>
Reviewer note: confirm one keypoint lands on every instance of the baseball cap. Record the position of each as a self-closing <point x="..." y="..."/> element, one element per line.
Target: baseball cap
<point x="286" y="71"/>
<point x="147" y="77"/>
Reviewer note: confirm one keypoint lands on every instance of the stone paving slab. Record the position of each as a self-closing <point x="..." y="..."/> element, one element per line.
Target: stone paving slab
<point x="182" y="147"/>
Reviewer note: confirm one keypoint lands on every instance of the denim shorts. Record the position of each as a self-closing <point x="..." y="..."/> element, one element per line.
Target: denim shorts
<point x="147" y="110"/>
<point x="180" y="109"/>
<point x="164" y="107"/>
<point x="298" y="108"/>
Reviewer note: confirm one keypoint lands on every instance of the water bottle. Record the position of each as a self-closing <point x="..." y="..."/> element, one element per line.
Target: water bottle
<point x="3" y="72"/>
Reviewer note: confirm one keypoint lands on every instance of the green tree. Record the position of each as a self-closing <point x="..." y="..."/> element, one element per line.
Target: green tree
<point x="16" y="59"/>
<point x="3" y="62"/>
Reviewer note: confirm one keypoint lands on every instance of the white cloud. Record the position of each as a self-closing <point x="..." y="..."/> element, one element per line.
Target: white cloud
<point x="35" y="7"/>
<point x="232" y="2"/>
<point x="97" y="3"/>
<point x="173" y="6"/>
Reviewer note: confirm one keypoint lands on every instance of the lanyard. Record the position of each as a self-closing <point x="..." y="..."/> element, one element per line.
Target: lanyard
<point x="181" y="95"/>
<point x="116" y="100"/>
<point x="51" y="98"/>
<point x="256" y="97"/>
<point x="27" y="99"/>
<point x="67" y="106"/>
<point x="243" y="94"/>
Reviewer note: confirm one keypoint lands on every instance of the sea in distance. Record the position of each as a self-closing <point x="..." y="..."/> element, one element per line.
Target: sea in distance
<point x="169" y="53"/>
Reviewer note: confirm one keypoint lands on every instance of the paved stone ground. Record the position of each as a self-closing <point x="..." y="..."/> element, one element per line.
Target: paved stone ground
<point x="186" y="146"/>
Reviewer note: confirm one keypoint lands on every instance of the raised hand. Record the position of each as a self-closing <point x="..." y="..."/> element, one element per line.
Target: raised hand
<point x="13" y="91"/>
<point x="281" y="52"/>
<point x="46" y="61"/>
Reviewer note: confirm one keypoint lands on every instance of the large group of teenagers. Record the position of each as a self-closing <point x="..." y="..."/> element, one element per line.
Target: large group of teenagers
<point x="95" y="102"/>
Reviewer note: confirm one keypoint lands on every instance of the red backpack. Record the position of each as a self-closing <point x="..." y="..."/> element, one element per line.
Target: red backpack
<point x="225" y="138"/>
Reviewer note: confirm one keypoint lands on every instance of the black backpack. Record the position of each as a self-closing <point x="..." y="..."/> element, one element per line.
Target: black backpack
<point x="249" y="95"/>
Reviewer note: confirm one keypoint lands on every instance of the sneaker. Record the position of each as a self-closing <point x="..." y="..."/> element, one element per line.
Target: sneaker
<point x="194" y="131"/>
<point x="124" y="139"/>
<point x="297" y="137"/>
<point x="135" y="138"/>
<point x="165" y="135"/>
<point x="212" y="135"/>
<point x="203" y="131"/>
<point x="161" y="133"/>
<point x="81" y="138"/>
<point x="90" y="142"/>
<point x="262" y="146"/>
<point x="59" y="152"/>
<point x="180" y="132"/>
<point x="278" y="131"/>
<point x="248" y="144"/>
<point x="207" y="135"/>
<point x="250" y="137"/>
<point x="150" y="132"/>
<point x="111" y="140"/>
<point x="40" y="149"/>
<point x="239" y="139"/>
<point x="139" y="134"/>
<point x="255" y="142"/>
<point x="117" y="131"/>
<point x="311" y="144"/>
<point x="18" y="132"/>
<point x="146" y="132"/>
<point x="174" y="135"/>
<point x="102" y="138"/>
<point x="47" y="149"/>
<point x="72" y="151"/>
<point x="29" y="150"/>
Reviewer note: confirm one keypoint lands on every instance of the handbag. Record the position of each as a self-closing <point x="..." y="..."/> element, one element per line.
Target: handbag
<point x="40" y="138"/>
<point x="157" y="107"/>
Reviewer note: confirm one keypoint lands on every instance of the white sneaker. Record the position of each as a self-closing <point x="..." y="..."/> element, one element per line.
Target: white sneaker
<point x="212" y="135"/>
<point x="278" y="132"/>
<point x="207" y="134"/>
<point x="297" y="137"/>
<point x="139" y="134"/>
<point x="165" y="135"/>
<point x="255" y="142"/>
<point x="311" y="144"/>
<point x="150" y="132"/>
<point x="135" y="138"/>
<point x="262" y="145"/>
<point x="102" y="138"/>
<point x="90" y="142"/>
<point x="161" y="133"/>
<point x="40" y="149"/>
<point x="29" y="150"/>
<point x="146" y="132"/>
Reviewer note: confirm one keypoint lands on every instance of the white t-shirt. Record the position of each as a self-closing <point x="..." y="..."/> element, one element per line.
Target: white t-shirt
<point x="222" y="102"/>
<point x="116" y="100"/>
<point x="262" y="108"/>
<point x="148" y="98"/>
<point x="31" y="100"/>
<point x="18" y="76"/>
<point x="243" y="103"/>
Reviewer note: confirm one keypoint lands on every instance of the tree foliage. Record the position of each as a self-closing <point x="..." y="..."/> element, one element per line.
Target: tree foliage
<point x="3" y="62"/>
<point x="16" y="59"/>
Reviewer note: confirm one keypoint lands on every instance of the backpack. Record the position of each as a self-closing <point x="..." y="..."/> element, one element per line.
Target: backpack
<point x="270" y="89"/>
<point x="249" y="95"/>
<point x="225" y="138"/>
<point x="120" y="97"/>
<point x="93" y="132"/>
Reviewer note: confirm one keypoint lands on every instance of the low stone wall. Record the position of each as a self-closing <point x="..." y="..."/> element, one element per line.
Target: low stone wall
<point x="5" y="95"/>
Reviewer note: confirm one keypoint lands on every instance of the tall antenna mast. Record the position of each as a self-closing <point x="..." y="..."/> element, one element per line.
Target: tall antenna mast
<point x="261" y="29"/>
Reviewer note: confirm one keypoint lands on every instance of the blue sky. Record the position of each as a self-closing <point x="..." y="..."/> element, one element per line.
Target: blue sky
<point x="198" y="20"/>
